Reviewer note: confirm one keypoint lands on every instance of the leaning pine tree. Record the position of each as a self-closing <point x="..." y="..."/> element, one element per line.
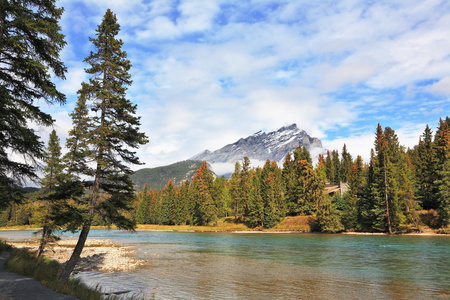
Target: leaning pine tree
<point x="112" y="130"/>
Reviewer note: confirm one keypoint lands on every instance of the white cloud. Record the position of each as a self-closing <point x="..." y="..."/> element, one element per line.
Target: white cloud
<point x="442" y="86"/>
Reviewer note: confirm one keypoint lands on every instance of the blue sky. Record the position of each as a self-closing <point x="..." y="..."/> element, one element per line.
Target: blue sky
<point x="207" y="73"/>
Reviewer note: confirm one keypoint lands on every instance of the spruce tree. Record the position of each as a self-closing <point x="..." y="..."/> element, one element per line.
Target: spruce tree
<point x="425" y="165"/>
<point x="205" y="209"/>
<point x="328" y="216"/>
<point x="330" y="170"/>
<point x="346" y="165"/>
<point x="30" y="43"/>
<point x="111" y="134"/>
<point x="444" y="194"/>
<point x="442" y="148"/>
<point x="48" y="215"/>
<point x="235" y="190"/>
<point x="143" y="209"/>
<point x="289" y="180"/>
<point x="255" y="201"/>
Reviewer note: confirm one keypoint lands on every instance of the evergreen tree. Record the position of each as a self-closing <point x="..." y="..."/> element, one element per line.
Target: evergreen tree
<point x="168" y="204"/>
<point x="289" y="181"/>
<point x="49" y="217"/>
<point x="426" y="171"/>
<point x="337" y="167"/>
<point x="112" y="132"/>
<point x="30" y="43"/>
<point x="330" y="170"/>
<point x="255" y="201"/>
<point x="235" y="190"/>
<point x="183" y="196"/>
<point x="308" y="188"/>
<point x="273" y="196"/>
<point x="407" y="199"/>
<point x="328" y="217"/>
<point x="245" y="186"/>
<point x="143" y="209"/>
<point x="205" y="209"/>
<point x="442" y="148"/>
<point x="371" y="210"/>
<point x="444" y="194"/>
<point x="346" y="165"/>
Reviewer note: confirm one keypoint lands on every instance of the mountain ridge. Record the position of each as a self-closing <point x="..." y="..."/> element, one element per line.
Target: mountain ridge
<point x="261" y="146"/>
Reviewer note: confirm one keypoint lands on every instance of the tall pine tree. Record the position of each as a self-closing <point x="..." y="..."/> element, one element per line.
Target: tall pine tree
<point x="112" y="132"/>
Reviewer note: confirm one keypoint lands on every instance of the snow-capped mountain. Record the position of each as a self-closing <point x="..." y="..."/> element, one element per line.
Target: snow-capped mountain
<point x="262" y="146"/>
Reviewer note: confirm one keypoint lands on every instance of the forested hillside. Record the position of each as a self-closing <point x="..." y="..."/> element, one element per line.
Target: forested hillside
<point x="157" y="178"/>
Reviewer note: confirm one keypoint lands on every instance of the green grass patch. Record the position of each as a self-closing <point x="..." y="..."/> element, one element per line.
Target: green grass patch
<point x="46" y="271"/>
<point x="295" y="224"/>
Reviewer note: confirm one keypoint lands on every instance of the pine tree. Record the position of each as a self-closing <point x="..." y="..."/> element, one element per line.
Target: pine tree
<point x="289" y="180"/>
<point x="143" y="209"/>
<point x="426" y="171"/>
<point x="328" y="217"/>
<point x="205" y="209"/>
<point x="308" y="188"/>
<point x="235" y="190"/>
<point x="337" y="167"/>
<point x="371" y="207"/>
<point x="185" y="201"/>
<point x="168" y="204"/>
<point x="272" y="194"/>
<point x="442" y="148"/>
<point x="330" y="170"/>
<point x="444" y="194"/>
<point x="112" y="132"/>
<point x="255" y="201"/>
<point x="346" y="165"/>
<point x="245" y="186"/>
<point x="50" y="219"/>
<point x="30" y="43"/>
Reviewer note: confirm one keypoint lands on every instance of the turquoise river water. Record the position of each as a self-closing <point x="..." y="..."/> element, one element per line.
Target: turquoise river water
<point x="187" y="265"/>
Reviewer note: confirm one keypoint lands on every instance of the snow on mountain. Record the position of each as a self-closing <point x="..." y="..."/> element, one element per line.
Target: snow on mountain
<point x="262" y="146"/>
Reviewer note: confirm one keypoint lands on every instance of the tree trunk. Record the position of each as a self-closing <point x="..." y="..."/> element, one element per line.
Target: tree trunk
<point x="43" y="241"/>
<point x="72" y="262"/>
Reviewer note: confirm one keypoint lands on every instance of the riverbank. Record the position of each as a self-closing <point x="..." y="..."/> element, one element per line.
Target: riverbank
<point x="97" y="255"/>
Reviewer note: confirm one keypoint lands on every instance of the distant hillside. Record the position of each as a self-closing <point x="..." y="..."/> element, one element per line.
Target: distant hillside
<point x="157" y="178"/>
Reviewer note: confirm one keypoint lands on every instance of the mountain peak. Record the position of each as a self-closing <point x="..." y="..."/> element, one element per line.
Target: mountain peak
<point x="261" y="146"/>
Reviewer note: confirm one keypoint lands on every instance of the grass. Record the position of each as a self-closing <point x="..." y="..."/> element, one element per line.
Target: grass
<point x="222" y="226"/>
<point x="46" y="272"/>
<point x="297" y="224"/>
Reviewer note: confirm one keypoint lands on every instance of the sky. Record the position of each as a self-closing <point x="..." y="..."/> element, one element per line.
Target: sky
<point x="208" y="72"/>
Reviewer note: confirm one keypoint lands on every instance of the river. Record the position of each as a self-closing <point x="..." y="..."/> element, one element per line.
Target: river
<point x="188" y="265"/>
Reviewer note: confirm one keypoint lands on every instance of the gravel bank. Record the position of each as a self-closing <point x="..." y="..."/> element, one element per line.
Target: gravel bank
<point x="97" y="255"/>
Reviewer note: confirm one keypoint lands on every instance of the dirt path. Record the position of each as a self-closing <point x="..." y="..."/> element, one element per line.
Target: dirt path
<point x="17" y="287"/>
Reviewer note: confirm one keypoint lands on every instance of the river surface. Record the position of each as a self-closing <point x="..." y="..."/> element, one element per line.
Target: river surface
<point x="187" y="265"/>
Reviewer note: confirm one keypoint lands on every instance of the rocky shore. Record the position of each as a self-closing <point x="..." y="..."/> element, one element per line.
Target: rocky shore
<point x="97" y="255"/>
